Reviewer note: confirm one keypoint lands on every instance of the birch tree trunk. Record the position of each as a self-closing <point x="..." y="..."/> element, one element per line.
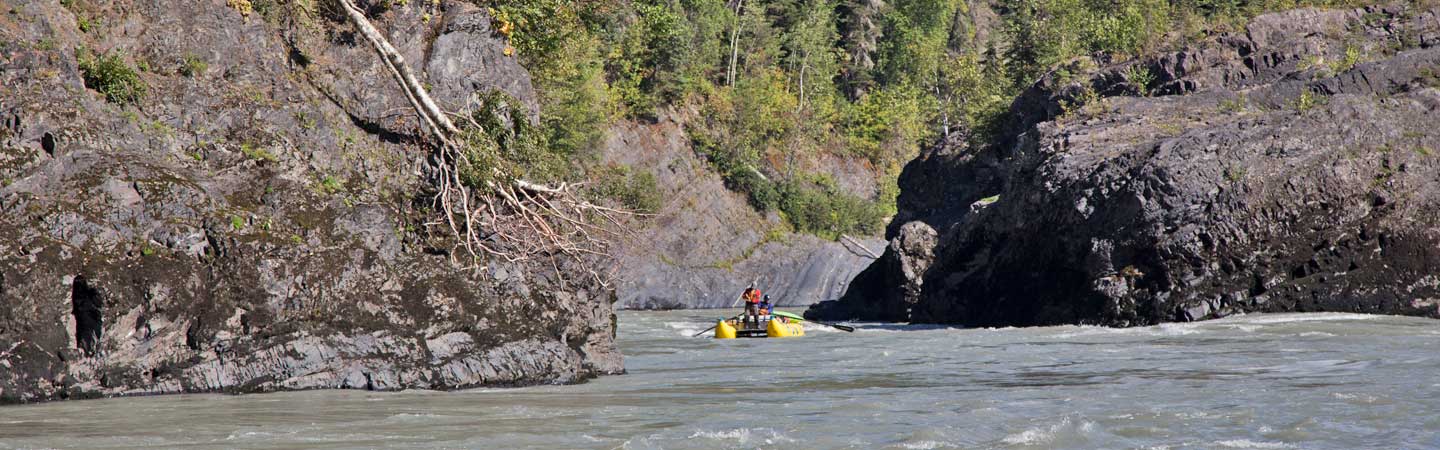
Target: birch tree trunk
<point x="419" y="97"/>
<point x="734" y="43"/>
<point x="533" y="220"/>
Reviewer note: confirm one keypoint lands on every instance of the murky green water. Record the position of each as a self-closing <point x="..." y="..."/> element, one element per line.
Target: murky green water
<point x="1338" y="381"/>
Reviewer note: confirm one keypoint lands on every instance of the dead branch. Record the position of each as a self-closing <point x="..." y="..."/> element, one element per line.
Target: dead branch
<point x="522" y="220"/>
<point x="856" y="243"/>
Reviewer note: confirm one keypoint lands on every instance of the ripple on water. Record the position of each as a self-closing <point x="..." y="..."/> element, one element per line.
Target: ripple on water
<point x="1068" y="431"/>
<point x="1162" y="330"/>
<point x="744" y="436"/>
<point x="1246" y="443"/>
<point x="1305" y="317"/>
<point x="925" y="445"/>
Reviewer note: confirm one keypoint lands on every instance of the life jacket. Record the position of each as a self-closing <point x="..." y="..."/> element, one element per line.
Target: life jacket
<point x="753" y="296"/>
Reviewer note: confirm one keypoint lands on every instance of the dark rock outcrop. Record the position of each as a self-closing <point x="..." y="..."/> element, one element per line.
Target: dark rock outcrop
<point x="256" y="222"/>
<point x="1293" y="167"/>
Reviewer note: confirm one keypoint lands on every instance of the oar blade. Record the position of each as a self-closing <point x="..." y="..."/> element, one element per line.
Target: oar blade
<point x="787" y="314"/>
<point x="794" y="316"/>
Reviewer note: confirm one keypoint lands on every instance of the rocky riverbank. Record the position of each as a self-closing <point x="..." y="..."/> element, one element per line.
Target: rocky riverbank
<point x="1289" y="167"/>
<point x="207" y="197"/>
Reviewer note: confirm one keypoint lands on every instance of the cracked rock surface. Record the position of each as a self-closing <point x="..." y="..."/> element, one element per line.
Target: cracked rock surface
<point x="255" y="223"/>
<point x="1291" y="167"/>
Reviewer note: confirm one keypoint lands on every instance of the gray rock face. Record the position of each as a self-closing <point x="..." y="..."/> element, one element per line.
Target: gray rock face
<point x="1290" y="168"/>
<point x="255" y="226"/>
<point x="707" y="244"/>
<point x="465" y="60"/>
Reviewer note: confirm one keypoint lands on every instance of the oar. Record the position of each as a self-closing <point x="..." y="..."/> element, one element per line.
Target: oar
<point x="802" y="319"/>
<point x="716" y="325"/>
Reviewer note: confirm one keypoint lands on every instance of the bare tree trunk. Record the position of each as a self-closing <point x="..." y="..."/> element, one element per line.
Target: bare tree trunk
<point x="419" y="97"/>
<point x="521" y="219"/>
<point x="856" y="243"/>
<point x="804" y="64"/>
<point x="452" y="192"/>
<point x="734" y="43"/>
<point x="944" y="112"/>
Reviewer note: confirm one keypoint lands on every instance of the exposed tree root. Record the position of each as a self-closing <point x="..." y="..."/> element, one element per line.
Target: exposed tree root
<point x="510" y="218"/>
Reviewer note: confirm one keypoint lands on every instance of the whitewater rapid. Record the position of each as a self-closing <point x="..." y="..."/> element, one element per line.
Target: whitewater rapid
<point x="1291" y="381"/>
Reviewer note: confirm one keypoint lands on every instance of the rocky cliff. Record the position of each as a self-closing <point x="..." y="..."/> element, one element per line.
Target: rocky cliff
<point x="705" y="243"/>
<point x="1293" y="166"/>
<point x="247" y="213"/>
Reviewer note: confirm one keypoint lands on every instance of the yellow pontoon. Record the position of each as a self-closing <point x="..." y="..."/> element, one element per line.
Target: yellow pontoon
<point x="775" y="327"/>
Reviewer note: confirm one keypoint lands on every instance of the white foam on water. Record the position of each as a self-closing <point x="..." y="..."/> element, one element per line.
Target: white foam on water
<point x="1242" y="323"/>
<point x="680" y="325"/>
<point x="1246" y="443"/>
<point x="1045" y="435"/>
<point x="1081" y="331"/>
<point x="926" y="445"/>
<point x="1357" y="399"/>
<point x="1269" y="319"/>
<point x="1029" y="437"/>
<point x="738" y="434"/>
<point x="1316" y="334"/>
<point x="811" y="327"/>
<point x="1162" y="330"/>
<point x="1174" y="329"/>
<point x="685" y="329"/>
<point x="411" y="418"/>
<point x="876" y="327"/>
<point x="744" y="436"/>
<point x="249" y="435"/>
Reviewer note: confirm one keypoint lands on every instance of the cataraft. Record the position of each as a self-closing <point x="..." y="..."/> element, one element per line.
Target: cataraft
<point x="779" y="324"/>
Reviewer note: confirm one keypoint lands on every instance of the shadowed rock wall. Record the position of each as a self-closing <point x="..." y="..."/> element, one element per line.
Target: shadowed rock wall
<point x="1292" y="167"/>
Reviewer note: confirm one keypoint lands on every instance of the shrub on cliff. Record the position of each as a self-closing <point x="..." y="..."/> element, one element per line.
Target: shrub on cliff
<point x="809" y="203"/>
<point x="826" y="212"/>
<point x="110" y="76"/>
<point x="635" y="190"/>
<point x="506" y="141"/>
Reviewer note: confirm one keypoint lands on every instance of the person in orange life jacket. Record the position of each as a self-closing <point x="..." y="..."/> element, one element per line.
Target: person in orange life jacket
<point x="752" y="306"/>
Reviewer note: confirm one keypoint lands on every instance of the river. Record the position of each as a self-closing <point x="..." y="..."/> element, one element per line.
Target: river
<point x="1312" y="381"/>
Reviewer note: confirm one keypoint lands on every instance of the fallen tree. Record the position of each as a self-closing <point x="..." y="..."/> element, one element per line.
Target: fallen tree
<point x="497" y="214"/>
